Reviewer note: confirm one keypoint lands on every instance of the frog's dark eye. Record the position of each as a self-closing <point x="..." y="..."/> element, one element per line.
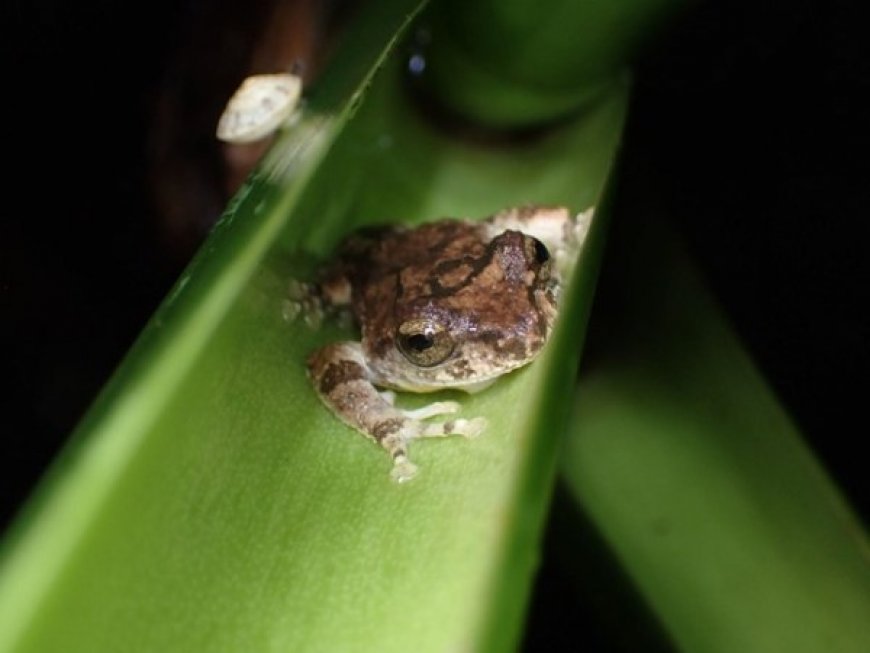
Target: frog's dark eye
<point x="424" y="343"/>
<point x="419" y="342"/>
<point x="542" y="254"/>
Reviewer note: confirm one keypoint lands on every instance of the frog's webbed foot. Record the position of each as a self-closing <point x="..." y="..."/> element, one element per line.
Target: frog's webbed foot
<point x="315" y="301"/>
<point x="343" y="382"/>
<point x="403" y="469"/>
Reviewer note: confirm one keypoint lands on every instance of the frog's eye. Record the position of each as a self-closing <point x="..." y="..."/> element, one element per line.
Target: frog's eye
<point x="536" y="250"/>
<point x="424" y="343"/>
<point x="542" y="254"/>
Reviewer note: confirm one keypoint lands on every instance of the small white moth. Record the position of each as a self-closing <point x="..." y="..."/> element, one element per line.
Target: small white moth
<point x="259" y="107"/>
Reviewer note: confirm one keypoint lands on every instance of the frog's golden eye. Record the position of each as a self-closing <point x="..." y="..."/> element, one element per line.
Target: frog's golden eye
<point x="424" y="343"/>
<point x="536" y="250"/>
<point x="542" y="254"/>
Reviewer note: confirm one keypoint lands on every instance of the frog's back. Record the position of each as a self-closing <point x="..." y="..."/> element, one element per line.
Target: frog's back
<point x="376" y="251"/>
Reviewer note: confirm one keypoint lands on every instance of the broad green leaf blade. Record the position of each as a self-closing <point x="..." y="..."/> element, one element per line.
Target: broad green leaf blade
<point x="67" y="502"/>
<point x="209" y="501"/>
<point x="682" y="457"/>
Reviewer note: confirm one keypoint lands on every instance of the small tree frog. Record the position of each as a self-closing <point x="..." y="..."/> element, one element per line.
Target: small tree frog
<point x="449" y="304"/>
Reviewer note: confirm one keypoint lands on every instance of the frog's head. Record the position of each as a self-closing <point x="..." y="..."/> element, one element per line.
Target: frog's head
<point x="473" y="321"/>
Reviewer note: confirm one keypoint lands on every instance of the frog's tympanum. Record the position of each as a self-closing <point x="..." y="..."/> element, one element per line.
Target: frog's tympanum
<point x="449" y="304"/>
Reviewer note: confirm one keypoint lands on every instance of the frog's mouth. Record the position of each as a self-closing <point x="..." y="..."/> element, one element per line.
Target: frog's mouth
<point x="456" y="375"/>
<point x="477" y="386"/>
<point x="470" y="387"/>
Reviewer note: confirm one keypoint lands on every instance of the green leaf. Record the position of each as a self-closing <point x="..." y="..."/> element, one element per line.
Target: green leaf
<point x="209" y="501"/>
<point x="685" y="462"/>
<point x="522" y="63"/>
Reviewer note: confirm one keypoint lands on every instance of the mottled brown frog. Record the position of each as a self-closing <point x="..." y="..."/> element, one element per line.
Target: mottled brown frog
<point x="449" y="304"/>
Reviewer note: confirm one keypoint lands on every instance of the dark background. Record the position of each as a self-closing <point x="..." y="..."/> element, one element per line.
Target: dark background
<point x="748" y="125"/>
<point x="750" y="122"/>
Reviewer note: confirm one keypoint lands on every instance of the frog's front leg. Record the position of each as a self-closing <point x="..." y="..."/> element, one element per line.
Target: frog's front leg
<point x="344" y="383"/>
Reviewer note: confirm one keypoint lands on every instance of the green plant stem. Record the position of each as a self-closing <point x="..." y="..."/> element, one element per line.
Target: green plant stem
<point x="682" y="457"/>
<point x="523" y="63"/>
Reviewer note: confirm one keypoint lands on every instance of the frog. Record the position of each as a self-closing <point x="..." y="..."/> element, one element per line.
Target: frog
<point x="452" y="304"/>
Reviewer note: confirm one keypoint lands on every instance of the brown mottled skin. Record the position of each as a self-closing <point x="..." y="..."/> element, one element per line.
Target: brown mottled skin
<point x="449" y="304"/>
<point x="492" y="296"/>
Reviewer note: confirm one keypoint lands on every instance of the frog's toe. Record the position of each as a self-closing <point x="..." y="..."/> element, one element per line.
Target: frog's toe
<point x="298" y="290"/>
<point x="313" y="315"/>
<point x="471" y="428"/>
<point x="302" y="300"/>
<point x="403" y="470"/>
<point x="290" y="310"/>
<point x="432" y="410"/>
